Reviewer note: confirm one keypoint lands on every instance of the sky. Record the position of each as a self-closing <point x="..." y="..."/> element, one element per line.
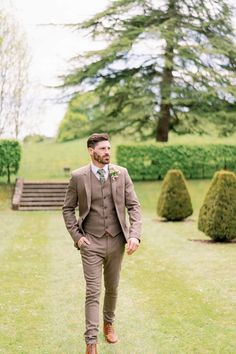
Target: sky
<point x="51" y="48"/>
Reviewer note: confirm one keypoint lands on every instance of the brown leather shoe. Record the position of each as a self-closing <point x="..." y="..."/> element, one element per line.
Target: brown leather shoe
<point x="91" y="348"/>
<point x="109" y="333"/>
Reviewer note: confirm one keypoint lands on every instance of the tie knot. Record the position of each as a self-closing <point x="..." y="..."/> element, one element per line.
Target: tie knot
<point x="101" y="172"/>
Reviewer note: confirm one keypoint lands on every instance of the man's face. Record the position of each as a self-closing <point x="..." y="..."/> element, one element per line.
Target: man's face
<point x="101" y="152"/>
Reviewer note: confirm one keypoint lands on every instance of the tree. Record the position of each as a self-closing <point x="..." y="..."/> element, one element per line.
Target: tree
<point x="14" y="62"/>
<point x="10" y="155"/>
<point x="167" y="65"/>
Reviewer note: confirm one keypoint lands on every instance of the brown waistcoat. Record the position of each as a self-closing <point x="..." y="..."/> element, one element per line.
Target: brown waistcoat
<point x="102" y="216"/>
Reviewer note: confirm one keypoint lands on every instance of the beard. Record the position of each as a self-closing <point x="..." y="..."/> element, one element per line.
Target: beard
<point x="101" y="159"/>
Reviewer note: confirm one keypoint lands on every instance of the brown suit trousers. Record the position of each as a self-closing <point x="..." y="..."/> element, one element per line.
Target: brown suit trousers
<point x="104" y="253"/>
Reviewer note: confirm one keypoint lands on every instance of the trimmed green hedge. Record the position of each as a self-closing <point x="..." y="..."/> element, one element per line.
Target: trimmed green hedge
<point x="195" y="161"/>
<point x="10" y="155"/>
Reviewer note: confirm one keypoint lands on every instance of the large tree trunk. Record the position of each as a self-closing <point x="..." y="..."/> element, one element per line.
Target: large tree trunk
<point x="163" y="122"/>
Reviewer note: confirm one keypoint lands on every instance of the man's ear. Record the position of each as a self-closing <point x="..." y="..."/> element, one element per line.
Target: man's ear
<point x="90" y="151"/>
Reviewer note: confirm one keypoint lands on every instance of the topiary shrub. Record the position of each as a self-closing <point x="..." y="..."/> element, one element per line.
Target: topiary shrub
<point x="174" y="202"/>
<point x="217" y="217"/>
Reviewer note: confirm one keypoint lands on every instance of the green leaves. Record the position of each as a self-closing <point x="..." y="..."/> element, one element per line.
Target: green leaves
<point x="10" y="155"/>
<point x="150" y="162"/>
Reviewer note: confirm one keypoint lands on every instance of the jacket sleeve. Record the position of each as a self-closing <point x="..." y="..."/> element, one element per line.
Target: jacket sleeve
<point x="68" y="210"/>
<point x="133" y="207"/>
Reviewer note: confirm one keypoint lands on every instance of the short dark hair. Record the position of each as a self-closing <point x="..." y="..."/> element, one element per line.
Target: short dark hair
<point x="96" y="138"/>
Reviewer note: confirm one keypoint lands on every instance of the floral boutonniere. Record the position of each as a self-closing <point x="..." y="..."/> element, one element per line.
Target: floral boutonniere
<point x="114" y="173"/>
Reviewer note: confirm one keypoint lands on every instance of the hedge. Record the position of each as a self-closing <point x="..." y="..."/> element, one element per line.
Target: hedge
<point x="10" y="155"/>
<point x="150" y="162"/>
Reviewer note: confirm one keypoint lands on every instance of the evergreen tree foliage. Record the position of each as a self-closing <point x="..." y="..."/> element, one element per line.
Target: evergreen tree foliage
<point x="217" y="217"/>
<point x="166" y="65"/>
<point x="174" y="202"/>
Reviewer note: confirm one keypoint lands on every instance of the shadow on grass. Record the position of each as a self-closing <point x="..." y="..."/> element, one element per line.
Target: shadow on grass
<point x="164" y="220"/>
<point x="225" y="242"/>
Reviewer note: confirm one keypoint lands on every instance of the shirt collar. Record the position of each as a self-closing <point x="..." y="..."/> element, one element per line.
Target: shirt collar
<point x="95" y="169"/>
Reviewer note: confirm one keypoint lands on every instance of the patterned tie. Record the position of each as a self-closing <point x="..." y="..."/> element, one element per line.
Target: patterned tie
<point x="101" y="173"/>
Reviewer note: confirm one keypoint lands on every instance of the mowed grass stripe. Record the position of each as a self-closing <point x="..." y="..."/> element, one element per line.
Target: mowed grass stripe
<point x="183" y="319"/>
<point x="23" y="272"/>
<point x="207" y="265"/>
<point x="9" y="225"/>
<point x="64" y="297"/>
<point x="170" y="317"/>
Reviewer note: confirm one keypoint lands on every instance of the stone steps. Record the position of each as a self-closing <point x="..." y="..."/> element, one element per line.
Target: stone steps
<point x="43" y="208"/>
<point x="39" y="195"/>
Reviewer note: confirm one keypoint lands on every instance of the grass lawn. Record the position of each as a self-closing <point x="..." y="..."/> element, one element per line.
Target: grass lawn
<point x="177" y="294"/>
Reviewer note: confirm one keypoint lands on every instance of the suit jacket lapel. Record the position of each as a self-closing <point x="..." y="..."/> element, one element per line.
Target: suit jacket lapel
<point x="113" y="185"/>
<point x="87" y="184"/>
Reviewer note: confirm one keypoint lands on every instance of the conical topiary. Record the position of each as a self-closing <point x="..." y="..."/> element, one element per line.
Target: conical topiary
<point x="217" y="217"/>
<point x="174" y="202"/>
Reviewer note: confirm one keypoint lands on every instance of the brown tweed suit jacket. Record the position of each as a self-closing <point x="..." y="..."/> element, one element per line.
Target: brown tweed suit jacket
<point x="79" y="194"/>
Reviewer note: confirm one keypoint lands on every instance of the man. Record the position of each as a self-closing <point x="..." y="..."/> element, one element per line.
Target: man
<point x="102" y="192"/>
